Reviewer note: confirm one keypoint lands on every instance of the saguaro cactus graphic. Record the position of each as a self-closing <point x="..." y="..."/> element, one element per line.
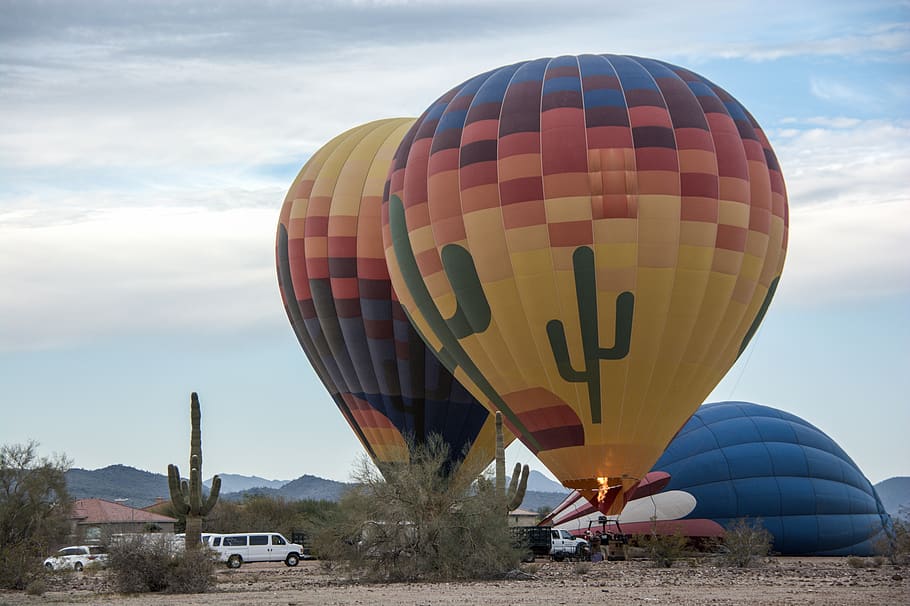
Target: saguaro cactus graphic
<point x="586" y="295"/>
<point x="187" y="495"/>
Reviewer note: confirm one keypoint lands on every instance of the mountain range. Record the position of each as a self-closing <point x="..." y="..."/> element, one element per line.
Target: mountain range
<point x="138" y="488"/>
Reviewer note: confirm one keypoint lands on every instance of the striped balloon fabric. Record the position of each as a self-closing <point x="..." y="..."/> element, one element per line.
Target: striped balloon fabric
<point x="589" y="243"/>
<point x="390" y="388"/>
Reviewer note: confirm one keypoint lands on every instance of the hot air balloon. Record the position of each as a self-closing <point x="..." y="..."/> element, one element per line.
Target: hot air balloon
<point x="337" y="294"/>
<point x="735" y="460"/>
<point x="588" y="243"/>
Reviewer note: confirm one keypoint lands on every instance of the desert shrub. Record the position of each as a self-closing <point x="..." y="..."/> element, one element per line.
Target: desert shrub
<point x="34" y="509"/>
<point x="745" y="543"/>
<point x="895" y="545"/>
<point x="191" y="572"/>
<point x="663" y="549"/>
<point x="36" y="586"/>
<point x="149" y="563"/>
<point x="581" y="568"/>
<point x="265" y="512"/>
<point x="530" y="568"/>
<point x="417" y="520"/>
<point x="856" y="562"/>
<point x="877" y="561"/>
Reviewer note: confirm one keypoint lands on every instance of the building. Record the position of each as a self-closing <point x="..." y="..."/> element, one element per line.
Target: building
<point x="523" y="517"/>
<point x="95" y="520"/>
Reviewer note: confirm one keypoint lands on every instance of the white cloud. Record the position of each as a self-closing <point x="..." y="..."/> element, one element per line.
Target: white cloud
<point x="136" y="270"/>
<point x="849" y="210"/>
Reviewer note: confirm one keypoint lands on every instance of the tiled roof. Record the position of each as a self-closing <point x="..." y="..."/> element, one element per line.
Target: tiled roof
<point x="99" y="511"/>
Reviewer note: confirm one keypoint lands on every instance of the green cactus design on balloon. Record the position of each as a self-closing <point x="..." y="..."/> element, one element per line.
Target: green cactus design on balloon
<point x="758" y="317"/>
<point x="186" y="496"/>
<point x="586" y="296"/>
<point x="472" y="314"/>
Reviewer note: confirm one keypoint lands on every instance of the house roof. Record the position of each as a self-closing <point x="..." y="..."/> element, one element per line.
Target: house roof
<point x="99" y="511"/>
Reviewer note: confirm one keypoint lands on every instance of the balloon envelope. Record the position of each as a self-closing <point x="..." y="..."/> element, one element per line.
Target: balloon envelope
<point x="336" y="290"/>
<point x="743" y="460"/>
<point x="589" y="243"/>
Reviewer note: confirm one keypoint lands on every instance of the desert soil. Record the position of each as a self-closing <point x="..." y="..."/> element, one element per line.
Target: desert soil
<point x="822" y="581"/>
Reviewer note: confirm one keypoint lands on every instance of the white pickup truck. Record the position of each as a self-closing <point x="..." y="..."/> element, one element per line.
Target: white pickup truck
<point x="547" y="541"/>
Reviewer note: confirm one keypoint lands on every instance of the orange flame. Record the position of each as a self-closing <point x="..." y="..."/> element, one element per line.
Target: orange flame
<point x="604" y="487"/>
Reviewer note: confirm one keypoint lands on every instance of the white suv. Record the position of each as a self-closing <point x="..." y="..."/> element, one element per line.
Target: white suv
<point x="77" y="557"/>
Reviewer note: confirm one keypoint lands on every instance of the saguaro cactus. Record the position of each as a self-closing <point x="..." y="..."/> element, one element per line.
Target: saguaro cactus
<point x="187" y="495"/>
<point x="586" y="296"/>
<point x="519" y="483"/>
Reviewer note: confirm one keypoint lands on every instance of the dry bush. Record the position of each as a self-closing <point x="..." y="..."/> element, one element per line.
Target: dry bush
<point x="895" y="545"/>
<point x="663" y="549"/>
<point x="745" y="543"/>
<point x="148" y="563"/>
<point x="417" y="521"/>
<point x="581" y="568"/>
<point x="856" y="562"/>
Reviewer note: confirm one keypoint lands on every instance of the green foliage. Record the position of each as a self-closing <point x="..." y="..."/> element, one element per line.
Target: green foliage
<point x="745" y="543"/>
<point x="34" y="511"/>
<point x="264" y="512"/>
<point x="186" y="496"/>
<point x="663" y="549"/>
<point x="586" y="297"/>
<point x="149" y="563"/>
<point x="416" y="522"/>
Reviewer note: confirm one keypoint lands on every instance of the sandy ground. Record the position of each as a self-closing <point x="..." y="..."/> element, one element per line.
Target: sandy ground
<point x="822" y="581"/>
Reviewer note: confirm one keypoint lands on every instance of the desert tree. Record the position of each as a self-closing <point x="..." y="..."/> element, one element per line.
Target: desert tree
<point x="34" y="510"/>
<point x="417" y="520"/>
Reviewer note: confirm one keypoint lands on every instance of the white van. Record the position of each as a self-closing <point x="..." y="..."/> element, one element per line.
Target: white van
<point x="240" y="547"/>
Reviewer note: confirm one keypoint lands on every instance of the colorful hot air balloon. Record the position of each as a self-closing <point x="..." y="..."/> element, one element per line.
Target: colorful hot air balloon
<point x="336" y="290"/>
<point x="589" y="243"/>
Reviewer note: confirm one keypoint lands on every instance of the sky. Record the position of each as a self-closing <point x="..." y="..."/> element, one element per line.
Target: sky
<point x="146" y="148"/>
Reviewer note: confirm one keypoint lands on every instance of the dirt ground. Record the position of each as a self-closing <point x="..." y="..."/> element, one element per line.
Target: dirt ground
<point x="822" y="581"/>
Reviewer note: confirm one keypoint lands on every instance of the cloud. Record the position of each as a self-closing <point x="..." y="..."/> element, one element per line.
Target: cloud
<point x="849" y="209"/>
<point x="839" y="92"/>
<point x="136" y="270"/>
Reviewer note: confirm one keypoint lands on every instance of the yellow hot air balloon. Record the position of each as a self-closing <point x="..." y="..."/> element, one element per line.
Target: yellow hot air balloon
<point x="588" y="243"/>
<point x="336" y="289"/>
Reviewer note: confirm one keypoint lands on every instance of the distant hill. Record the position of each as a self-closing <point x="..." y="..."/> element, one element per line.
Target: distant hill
<point x="232" y="482"/>
<point x="139" y="488"/>
<point x="534" y="500"/>
<point x="895" y="494"/>
<point x="304" y="487"/>
<point x="143" y="488"/>
<point x="541" y="483"/>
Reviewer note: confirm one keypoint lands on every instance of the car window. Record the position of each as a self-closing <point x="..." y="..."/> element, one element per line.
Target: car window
<point x="235" y="541"/>
<point x="97" y="549"/>
<point x="216" y="542"/>
<point x="259" y="539"/>
<point x="277" y="540"/>
<point x="73" y="551"/>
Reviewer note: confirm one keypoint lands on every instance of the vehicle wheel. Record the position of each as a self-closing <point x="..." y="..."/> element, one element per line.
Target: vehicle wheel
<point x="234" y="561"/>
<point x="77" y="566"/>
<point x="291" y="560"/>
<point x="49" y="566"/>
<point x="559" y="556"/>
<point x="528" y="557"/>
